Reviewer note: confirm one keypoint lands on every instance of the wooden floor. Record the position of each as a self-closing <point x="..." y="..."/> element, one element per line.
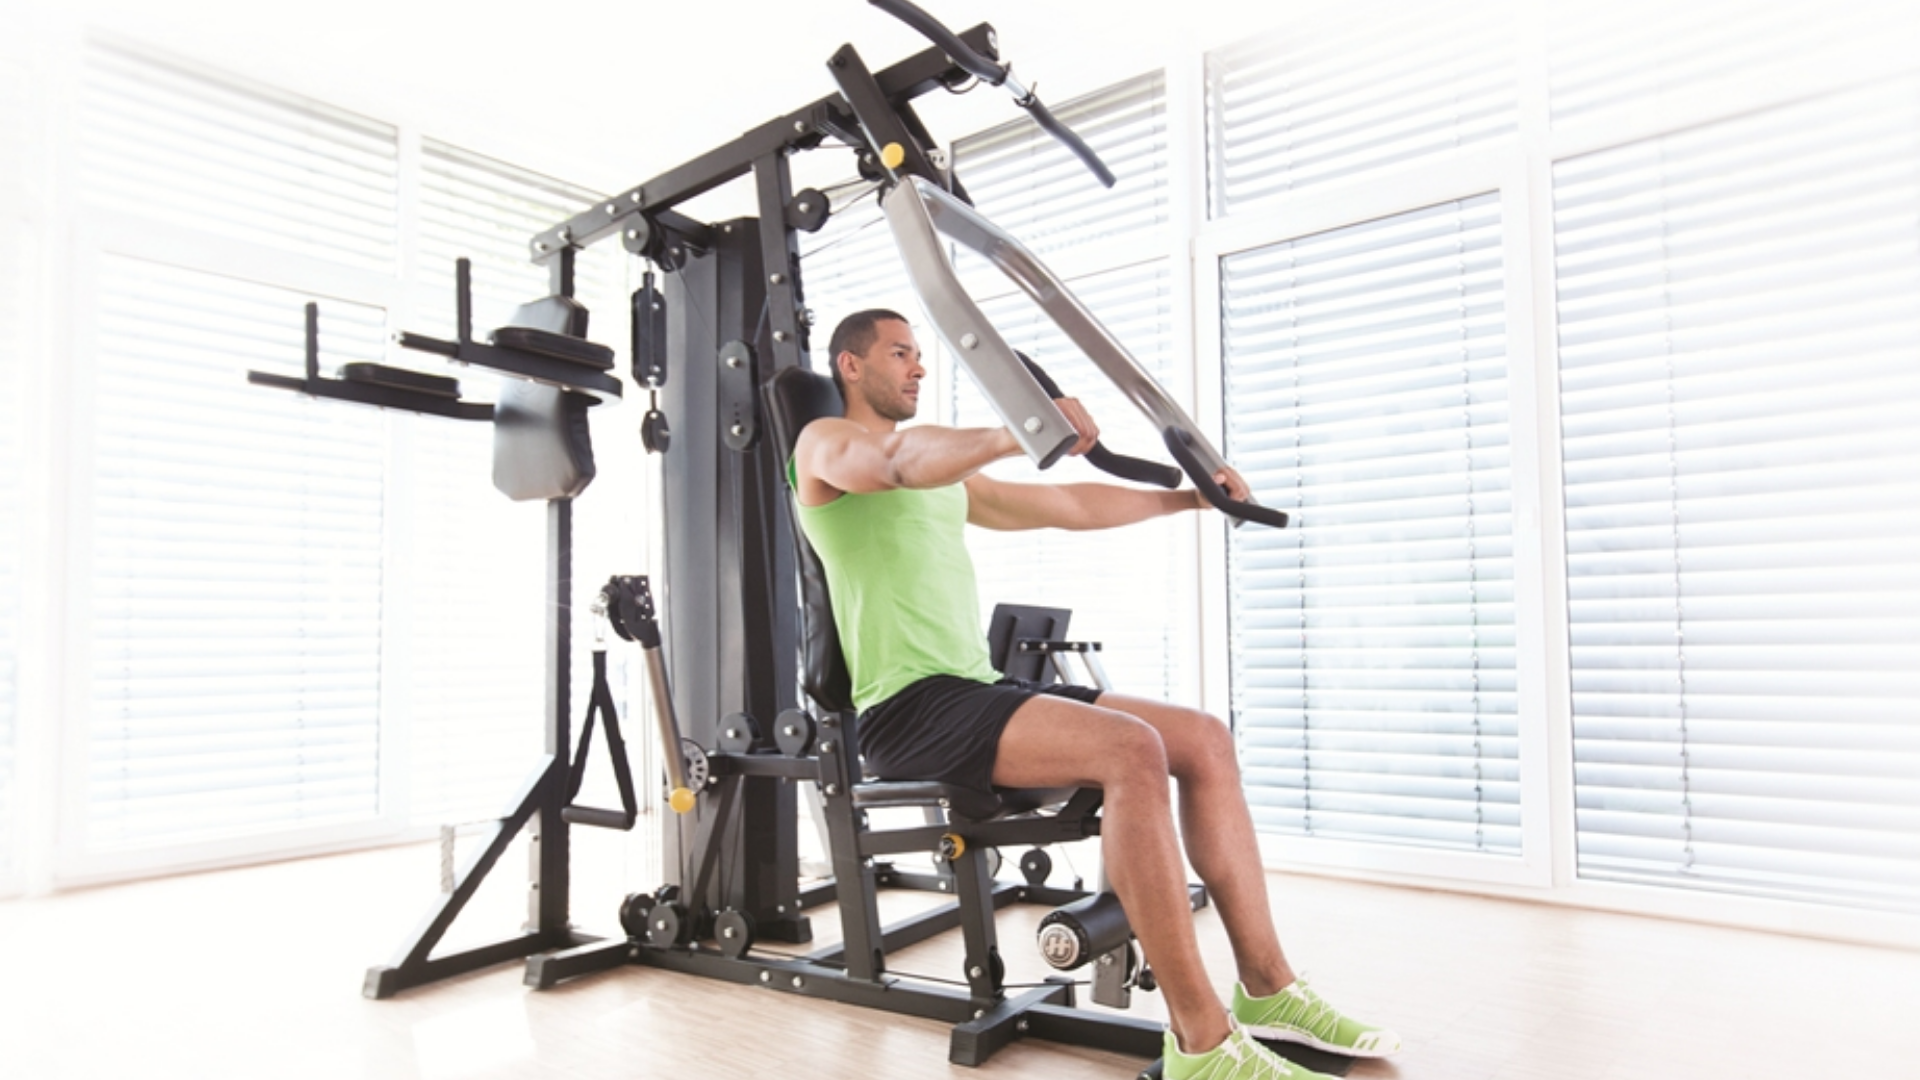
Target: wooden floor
<point x="256" y="973"/>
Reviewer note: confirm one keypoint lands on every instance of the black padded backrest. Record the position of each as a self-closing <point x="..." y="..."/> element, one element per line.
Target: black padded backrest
<point x="542" y="448"/>
<point x="794" y="398"/>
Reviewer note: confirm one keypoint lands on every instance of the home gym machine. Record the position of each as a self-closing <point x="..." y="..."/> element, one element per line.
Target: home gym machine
<point x="722" y="348"/>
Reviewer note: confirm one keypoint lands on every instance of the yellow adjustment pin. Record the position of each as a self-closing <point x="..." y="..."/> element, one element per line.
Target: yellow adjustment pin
<point x="892" y="154"/>
<point x="681" y="800"/>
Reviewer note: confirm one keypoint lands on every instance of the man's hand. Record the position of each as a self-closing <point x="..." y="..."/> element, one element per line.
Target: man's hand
<point x="1082" y="422"/>
<point x="1229" y="479"/>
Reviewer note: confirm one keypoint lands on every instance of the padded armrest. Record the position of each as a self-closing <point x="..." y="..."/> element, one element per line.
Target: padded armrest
<point x="554" y="346"/>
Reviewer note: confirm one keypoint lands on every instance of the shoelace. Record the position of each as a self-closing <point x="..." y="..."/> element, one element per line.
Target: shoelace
<point x="1241" y="1048"/>
<point x="1317" y="1012"/>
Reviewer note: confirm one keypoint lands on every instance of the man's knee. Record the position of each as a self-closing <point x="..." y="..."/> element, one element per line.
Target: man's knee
<point x="1214" y="753"/>
<point x="1134" y="750"/>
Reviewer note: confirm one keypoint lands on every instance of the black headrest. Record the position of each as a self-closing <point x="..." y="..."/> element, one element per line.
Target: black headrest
<point x="794" y="398"/>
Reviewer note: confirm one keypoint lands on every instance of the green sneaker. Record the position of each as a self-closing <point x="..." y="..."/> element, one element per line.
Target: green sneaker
<point x="1296" y="1014"/>
<point x="1238" y="1058"/>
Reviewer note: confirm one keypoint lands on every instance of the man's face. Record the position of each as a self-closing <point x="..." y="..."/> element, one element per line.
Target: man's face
<point x="890" y="372"/>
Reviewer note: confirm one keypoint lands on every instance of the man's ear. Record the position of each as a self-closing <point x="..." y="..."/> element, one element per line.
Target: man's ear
<point x="849" y="364"/>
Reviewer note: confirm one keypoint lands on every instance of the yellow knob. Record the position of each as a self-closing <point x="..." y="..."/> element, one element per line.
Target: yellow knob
<point x="891" y="155"/>
<point x="952" y="846"/>
<point x="681" y="800"/>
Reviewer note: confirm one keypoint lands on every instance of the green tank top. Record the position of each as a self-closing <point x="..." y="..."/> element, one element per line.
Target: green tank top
<point x="904" y="596"/>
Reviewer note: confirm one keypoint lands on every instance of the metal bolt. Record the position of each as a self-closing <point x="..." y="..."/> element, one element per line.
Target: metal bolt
<point x="943" y="804"/>
<point x="729" y="932"/>
<point x="943" y="886"/>
<point x="675" y="251"/>
<point x="1106" y="959"/>
<point x="726" y="228"/>
<point x="633" y="953"/>
<point x="978" y="1013"/>
<point x="540" y="246"/>
<point x="737" y="430"/>
<point x="803" y="206"/>
<point x="766" y="976"/>
<point x="790" y="730"/>
<point x="776" y="278"/>
<point x="781" y="335"/>
<point x="1022" y="1026"/>
<point x="833" y="789"/>
<point x="781" y="908"/>
<point x="633" y="196"/>
<point x="661" y="925"/>
<point x="974" y="972"/>
<point x="827" y="747"/>
<point x="612" y="209"/>
<point x="566" y="236"/>
<point x="733" y="361"/>
<point x="968" y="341"/>
<point x="800" y="126"/>
<point x="1033" y="425"/>
<point x="798" y="982"/>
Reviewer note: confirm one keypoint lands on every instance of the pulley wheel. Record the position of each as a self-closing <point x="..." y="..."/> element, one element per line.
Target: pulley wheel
<point x="733" y="932"/>
<point x="654" y="433"/>
<point x="738" y="733"/>
<point x="667" y="926"/>
<point x="1036" y="866"/>
<point x="793" y="732"/>
<point x="633" y="915"/>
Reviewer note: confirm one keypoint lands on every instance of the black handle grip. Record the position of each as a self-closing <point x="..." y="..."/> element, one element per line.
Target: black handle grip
<point x="994" y="74"/>
<point x="949" y="42"/>
<point x="1180" y="445"/>
<point x="1138" y="470"/>
<point x="603" y="819"/>
<point x="1052" y="125"/>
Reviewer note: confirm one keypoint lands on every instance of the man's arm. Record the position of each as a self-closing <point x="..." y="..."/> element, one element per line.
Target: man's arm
<point x="835" y="455"/>
<point x="999" y="504"/>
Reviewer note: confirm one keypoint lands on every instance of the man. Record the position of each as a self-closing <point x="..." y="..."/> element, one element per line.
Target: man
<point x="885" y="509"/>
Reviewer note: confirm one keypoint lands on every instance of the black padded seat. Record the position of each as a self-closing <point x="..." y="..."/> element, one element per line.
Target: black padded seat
<point x="961" y="802"/>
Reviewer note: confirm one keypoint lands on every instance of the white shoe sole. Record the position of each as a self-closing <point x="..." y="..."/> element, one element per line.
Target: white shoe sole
<point x="1304" y="1039"/>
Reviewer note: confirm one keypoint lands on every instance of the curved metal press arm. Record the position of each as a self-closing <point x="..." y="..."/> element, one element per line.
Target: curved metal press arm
<point x="918" y="213"/>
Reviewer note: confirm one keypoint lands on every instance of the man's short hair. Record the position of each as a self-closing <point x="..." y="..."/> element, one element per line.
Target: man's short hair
<point x="855" y="334"/>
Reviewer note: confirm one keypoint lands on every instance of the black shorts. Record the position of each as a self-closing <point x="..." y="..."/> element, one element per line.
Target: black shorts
<point x="945" y="728"/>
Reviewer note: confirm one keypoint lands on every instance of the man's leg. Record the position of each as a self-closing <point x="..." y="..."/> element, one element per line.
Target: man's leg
<point x="1217" y="828"/>
<point x="1055" y="742"/>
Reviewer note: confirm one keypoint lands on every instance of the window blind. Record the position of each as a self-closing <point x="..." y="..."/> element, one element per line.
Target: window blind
<point x="1033" y="187"/>
<point x="1372" y="655"/>
<point x="485" y="210"/>
<point x="239" y="161"/>
<point x="1354" y="94"/>
<point x="236" y="567"/>
<point x="1602" y="65"/>
<point x="1110" y="577"/>
<point x="1739" y="322"/>
<point x="15" y="314"/>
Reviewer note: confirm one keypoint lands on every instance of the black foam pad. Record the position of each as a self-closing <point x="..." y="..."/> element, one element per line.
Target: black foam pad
<point x="794" y="398"/>
<point x="542" y="448"/>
